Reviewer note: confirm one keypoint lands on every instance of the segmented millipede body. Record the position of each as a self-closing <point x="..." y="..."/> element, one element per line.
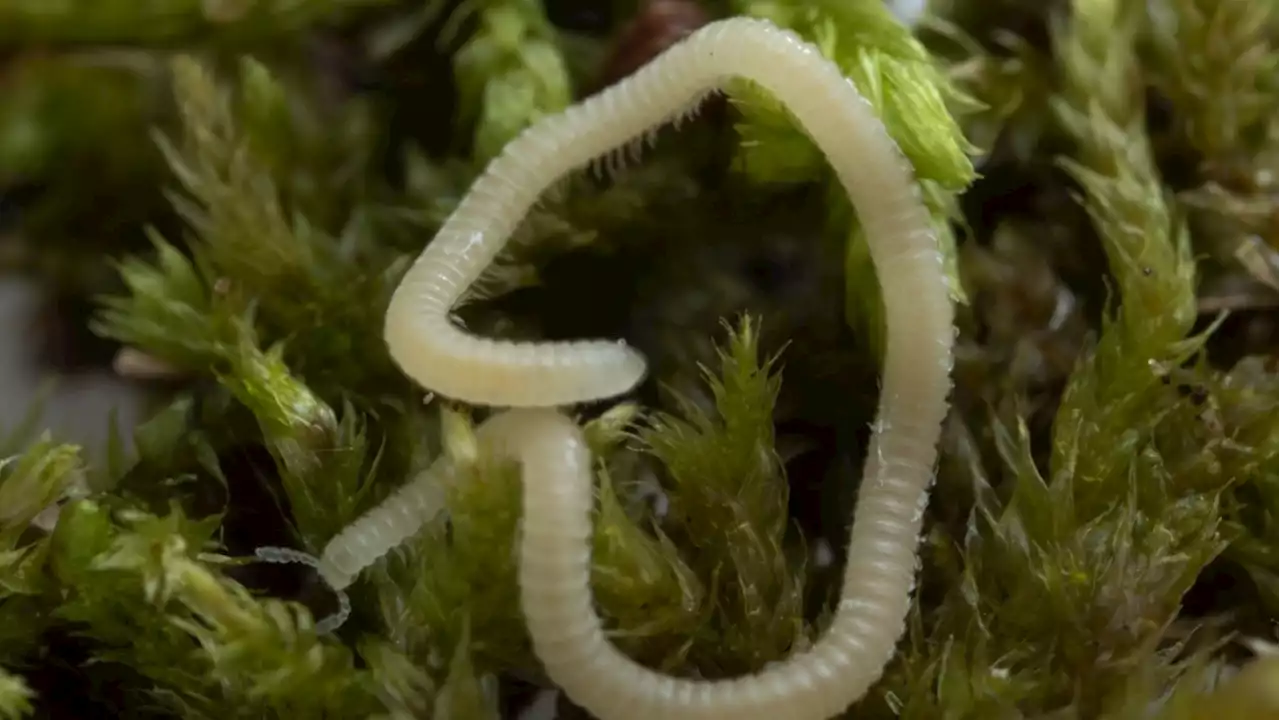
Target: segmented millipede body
<point x="383" y="528"/>
<point x="534" y="378"/>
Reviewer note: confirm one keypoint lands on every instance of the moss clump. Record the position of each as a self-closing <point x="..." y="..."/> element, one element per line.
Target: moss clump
<point x="1101" y="541"/>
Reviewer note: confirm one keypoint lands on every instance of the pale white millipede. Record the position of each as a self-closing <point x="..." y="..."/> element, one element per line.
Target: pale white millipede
<point x="373" y="535"/>
<point x="555" y="556"/>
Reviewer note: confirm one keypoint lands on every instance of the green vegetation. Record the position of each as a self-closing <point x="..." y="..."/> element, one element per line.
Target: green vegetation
<point x="233" y="189"/>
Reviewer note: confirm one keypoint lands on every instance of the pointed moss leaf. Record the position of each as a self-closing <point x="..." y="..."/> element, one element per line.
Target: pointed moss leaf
<point x="729" y="496"/>
<point x="322" y="459"/>
<point x="167" y="312"/>
<point x="887" y="64"/>
<point x="33" y="481"/>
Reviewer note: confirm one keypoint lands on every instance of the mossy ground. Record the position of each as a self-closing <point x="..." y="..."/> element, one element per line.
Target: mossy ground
<point x="234" y="188"/>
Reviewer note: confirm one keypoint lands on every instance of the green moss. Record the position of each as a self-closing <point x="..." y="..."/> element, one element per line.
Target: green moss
<point x="728" y="496"/>
<point x="1102" y="539"/>
<point x="1218" y="66"/>
<point x="509" y="73"/>
<point x="15" y="696"/>
<point x="32" y="21"/>
<point x="910" y="94"/>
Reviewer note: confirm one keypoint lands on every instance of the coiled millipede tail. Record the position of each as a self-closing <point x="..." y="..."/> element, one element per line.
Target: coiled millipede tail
<point x="532" y="379"/>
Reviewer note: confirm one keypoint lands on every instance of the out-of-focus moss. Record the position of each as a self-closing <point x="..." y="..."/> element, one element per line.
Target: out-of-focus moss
<point x="15" y="696"/>
<point x="73" y="138"/>
<point x="1217" y="63"/>
<point x="510" y="73"/>
<point x="121" y="21"/>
